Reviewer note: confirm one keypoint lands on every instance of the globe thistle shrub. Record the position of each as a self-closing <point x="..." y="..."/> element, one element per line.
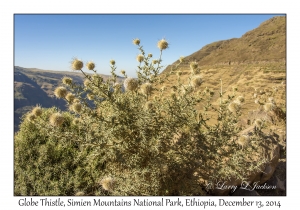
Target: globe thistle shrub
<point x="143" y="142"/>
<point x="273" y="102"/>
<point x="47" y="161"/>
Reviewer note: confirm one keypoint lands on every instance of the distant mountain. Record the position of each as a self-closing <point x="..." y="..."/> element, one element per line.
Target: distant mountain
<point x="36" y="87"/>
<point x="266" y="43"/>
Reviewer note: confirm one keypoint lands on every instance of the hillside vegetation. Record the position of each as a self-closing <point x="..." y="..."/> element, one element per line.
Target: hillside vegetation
<point x="256" y="61"/>
<point x="216" y="116"/>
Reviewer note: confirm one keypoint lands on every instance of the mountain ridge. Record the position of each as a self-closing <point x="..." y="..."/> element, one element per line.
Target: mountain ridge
<point x="266" y="43"/>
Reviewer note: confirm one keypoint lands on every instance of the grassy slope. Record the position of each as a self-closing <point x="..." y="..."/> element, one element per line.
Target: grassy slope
<point x="257" y="60"/>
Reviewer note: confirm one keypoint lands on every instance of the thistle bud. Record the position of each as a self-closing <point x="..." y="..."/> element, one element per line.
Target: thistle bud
<point x="67" y="80"/>
<point x="70" y="97"/>
<point x="77" y="64"/>
<point x="56" y="119"/>
<point x="140" y="58"/>
<point x="107" y="184"/>
<point x="86" y="82"/>
<point x="136" y="41"/>
<point x="146" y="88"/>
<point x="243" y="140"/>
<point x="130" y="84"/>
<point x="60" y="92"/>
<point x="37" y="111"/>
<point x="269" y="107"/>
<point x="194" y="67"/>
<point x="31" y="117"/>
<point x="76" y="107"/>
<point x="162" y="44"/>
<point x="90" y="65"/>
<point x="181" y="59"/>
<point x="90" y="96"/>
<point x="154" y="61"/>
<point x="196" y="81"/>
<point x="112" y="62"/>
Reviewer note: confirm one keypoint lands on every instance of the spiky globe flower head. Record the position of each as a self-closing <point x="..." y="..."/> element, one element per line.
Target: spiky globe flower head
<point x="140" y="58"/>
<point x="117" y="86"/>
<point x="60" y="92"/>
<point x="243" y="140"/>
<point x="194" y="67"/>
<point x="258" y="123"/>
<point x="76" y="121"/>
<point x="146" y="88"/>
<point x="76" y="107"/>
<point x="56" y="119"/>
<point x="31" y="117"/>
<point x="37" y="111"/>
<point x="77" y="64"/>
<point x="67" y="80"/>
<point x="108" y="183"/>
<point x="90" y="96"/>
<point x="162" y="44"/>
<point x="150" y="55"/>
<point x="136" y="41"/>
<point x="149" y="105"/>
<point x="123" y="72"/>
<point x="233" y="107"/>
<point x="240" y="99"/>
<point x="112" y="62"/>
<point x="130" y="84"/>
<point x="181" y="59"/>
<point x="154" y="61"/>
<point x="196" y="81"/>
<point x="86" y="82"/>
<point x="269" y="107"/>
<point x="70" y="97"/>
<point x="90" y="65"/>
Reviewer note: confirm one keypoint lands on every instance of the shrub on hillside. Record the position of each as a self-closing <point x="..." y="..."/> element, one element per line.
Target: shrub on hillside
<point x="141" y="141"/>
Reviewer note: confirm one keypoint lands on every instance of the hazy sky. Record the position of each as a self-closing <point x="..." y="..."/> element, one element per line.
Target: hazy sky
<point x="51" y="41"/>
